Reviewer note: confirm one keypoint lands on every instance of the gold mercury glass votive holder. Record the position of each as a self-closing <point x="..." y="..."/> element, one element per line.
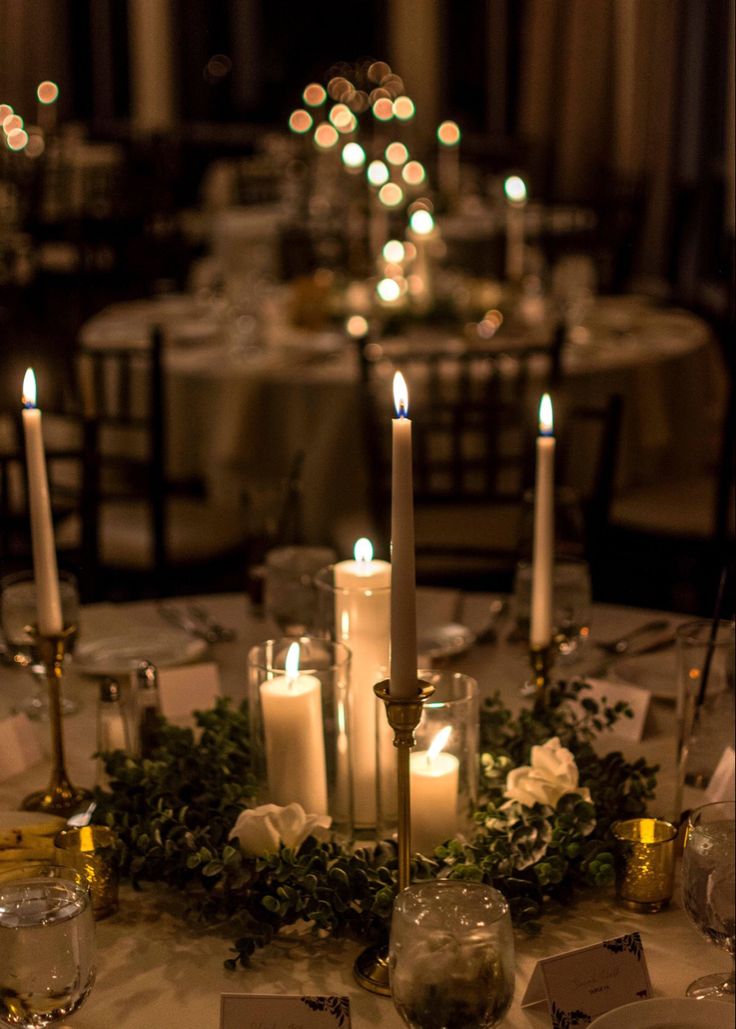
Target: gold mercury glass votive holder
<point x="92" y="851"/>
<point x="645" y="863"/>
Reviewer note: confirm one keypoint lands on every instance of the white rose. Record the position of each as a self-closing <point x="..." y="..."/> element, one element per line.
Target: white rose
<point x="260" y="830"/>
<point x="551" y="775"/>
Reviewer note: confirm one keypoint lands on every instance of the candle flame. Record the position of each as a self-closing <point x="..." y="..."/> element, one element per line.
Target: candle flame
<point x="292" y="661"/>
<point x="29" y="389"/>
<point x="438" y="743"/>
<point x="546" y="422"/>
<point x="401" y="396"/>
<point x="363" y="550"/>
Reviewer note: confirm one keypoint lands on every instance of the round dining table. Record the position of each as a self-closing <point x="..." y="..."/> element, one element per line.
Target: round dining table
<point x="155" y="970"/>
<point x="259" y="391"/>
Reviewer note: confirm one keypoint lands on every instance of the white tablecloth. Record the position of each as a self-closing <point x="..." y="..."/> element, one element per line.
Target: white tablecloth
<point x="154" y="971"/>
<point x="237" y="416"/>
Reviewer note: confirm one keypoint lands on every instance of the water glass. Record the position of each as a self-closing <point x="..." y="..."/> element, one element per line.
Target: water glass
<point x="451" y="955"/>
<point x="571" y="603"/>
<point x="291" y="595"/>
<point x="18" y="616"/>
<point x="47" y="947"/>
<point x="709" y="889"/>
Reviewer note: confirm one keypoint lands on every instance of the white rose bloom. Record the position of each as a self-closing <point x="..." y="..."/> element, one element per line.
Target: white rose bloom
<point x="260" y="830"/>
<point x="551" y="775"/>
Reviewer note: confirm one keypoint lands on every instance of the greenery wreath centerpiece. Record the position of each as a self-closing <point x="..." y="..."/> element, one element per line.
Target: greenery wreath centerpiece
<point x="186" y="818"/>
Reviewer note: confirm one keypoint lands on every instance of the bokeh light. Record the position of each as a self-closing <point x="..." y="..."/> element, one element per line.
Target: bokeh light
<point x="12" y="122"/>
<point x="515" y="189"/>
<point x="314" y="95"/>
<point x="325" y="136"/>
<point x="393" y="84"/>
<point x="217" y="68"/>
<point x="356" y="326"/>
<point x="377" y="173"/>
<point x="404" y="108"/>
<point x="36" y="143"/>
<point x="390" y="194"/>
<point x="413" y="173"/>
<point x="448" y="133"/>
<point x="339" y="88"/>
<point x="410" y="251"/>
<point x="341" y="116"/>
<point x="17" y="139"/>
<point x="396" y="153"/>
<point x="47" y="92"/>
<point x="5" y="110"/>
<point x="388" y="290"/>
<point x="421" y="222"/>
<point x="393" y="251"/>
<point x="300" y="121"/>
<point x="383" y="109"/>
<point x="353" y="155"/>
<point x="378" y="71"/>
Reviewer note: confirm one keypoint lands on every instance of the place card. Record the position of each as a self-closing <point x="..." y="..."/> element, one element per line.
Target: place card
<point x="638" y="699"/>
<point x="19" y="745"/>
<point x="187" y="689"/>
<point x="581" y="984"/>
<point x="269" y="1011"/>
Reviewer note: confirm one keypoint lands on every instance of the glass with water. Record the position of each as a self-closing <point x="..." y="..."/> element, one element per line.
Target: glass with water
<point x="47" y="948"/>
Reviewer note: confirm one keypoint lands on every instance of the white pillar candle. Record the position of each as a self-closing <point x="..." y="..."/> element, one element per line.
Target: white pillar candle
<point x="294" y="736"/>
<point x="516" y="196"/>
<point x="363" y="623"/>
<point x="544" y="530"/>
<point x="434" y="788"/>
<point x="45" y="571"/>
<point x="403" y="677"/>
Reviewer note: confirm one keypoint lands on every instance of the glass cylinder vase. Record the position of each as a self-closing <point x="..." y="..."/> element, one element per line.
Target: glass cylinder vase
<point x="443" y="764"/>
<point x="354" y="607"/>
<point x="300" y="735"/>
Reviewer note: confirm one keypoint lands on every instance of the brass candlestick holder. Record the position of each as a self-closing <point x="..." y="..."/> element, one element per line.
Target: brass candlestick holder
<point x="537" y="686"/>
<point x="404" y="715"/>
<point x="60" y="797"/>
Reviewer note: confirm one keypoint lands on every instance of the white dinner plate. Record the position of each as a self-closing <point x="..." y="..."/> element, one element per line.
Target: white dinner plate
<point x="443" y="641"/>
<point x="668" y="1013"/>
<point x="119" y="654"/>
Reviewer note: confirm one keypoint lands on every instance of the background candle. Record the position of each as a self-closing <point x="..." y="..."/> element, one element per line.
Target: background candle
<point x="544" y="531"/>
<point x="363" y="623"/>
<point x="434" y="788"/>
<point x="293" y="730"/>
<point x="45" y="571"/>
<point x="403" y="677"/>
<point x="515" y="191"/>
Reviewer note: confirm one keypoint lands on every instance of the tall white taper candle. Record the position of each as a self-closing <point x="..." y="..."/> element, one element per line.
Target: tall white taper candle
<point x="46" y="574"/>
<point x="544" y="530"/>
<point x="403" y="678"/>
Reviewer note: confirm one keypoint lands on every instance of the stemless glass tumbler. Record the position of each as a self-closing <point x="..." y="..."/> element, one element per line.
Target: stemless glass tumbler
<point x="451" y="955"/>
<point x="47" y="947"/>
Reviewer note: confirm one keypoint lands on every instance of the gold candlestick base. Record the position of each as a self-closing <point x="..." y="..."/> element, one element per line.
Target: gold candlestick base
<point x="538" y="683"/>
<point x="404" y="714"/>
<point x="60" y="797"/>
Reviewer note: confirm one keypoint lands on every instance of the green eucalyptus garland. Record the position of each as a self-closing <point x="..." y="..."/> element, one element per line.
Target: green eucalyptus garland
<point x="173" y="813"/>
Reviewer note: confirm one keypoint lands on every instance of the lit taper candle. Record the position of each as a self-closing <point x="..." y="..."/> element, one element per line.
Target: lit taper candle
<point x="403" y="678"/>
<point x="46" y="574"/>
<point x="544" y="529"/>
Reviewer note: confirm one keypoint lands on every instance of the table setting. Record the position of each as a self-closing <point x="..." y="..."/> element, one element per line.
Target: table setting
<point x="352" y="801"/>
<point x="308" y="791"/>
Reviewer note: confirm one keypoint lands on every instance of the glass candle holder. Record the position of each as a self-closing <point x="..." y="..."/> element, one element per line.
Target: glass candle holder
<point x="645" y="863"/>
<point x="451" y="954"/>
<point x="354" y="607"/>
<point x="91" y="851"/>
<point x="300" y="733"/>
<point x="443" y="764"/>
